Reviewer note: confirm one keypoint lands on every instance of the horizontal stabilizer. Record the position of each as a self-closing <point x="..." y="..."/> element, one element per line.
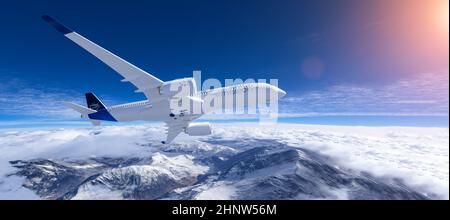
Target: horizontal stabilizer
<point x="81" y="109"/>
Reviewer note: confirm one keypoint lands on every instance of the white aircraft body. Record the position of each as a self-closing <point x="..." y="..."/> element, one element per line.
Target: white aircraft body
<point x="159" y="94"/>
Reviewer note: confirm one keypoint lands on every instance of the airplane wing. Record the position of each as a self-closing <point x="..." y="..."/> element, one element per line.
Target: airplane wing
<point x="174" y="128"/>
<point x="145" y="82"/>
<point x="172" y="132"/>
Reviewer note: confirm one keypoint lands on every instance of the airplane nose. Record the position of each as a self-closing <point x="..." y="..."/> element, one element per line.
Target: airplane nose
<point x="281" y="92"/>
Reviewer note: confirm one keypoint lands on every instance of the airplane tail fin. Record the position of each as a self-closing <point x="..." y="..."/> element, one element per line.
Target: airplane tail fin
<point x="93" y="102"/>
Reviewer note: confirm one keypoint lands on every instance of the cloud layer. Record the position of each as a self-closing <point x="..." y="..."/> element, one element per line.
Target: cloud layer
<point x="421" y="95"/>
<point x="418" y="156"/>
<point x="424" y="94"/>
<point x="18" y="98"/>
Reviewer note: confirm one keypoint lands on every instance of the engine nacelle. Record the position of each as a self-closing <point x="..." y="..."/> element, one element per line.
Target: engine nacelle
<point x="199" y="129"/>
<point x="186" y="86"/>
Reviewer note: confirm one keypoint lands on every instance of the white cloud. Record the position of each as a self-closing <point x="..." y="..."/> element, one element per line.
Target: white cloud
<point x="18" y="98"/>
<point x="422" y="94"/>
<point x="419" y="156"/>
<point x="41" y="102"/>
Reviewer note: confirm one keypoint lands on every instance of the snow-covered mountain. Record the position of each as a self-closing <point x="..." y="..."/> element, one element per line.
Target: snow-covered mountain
<point x="249" y="161"/>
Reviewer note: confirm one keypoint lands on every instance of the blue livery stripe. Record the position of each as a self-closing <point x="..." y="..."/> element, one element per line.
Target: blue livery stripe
<point x="58" y="26"/>
<point x="103" y="115"/>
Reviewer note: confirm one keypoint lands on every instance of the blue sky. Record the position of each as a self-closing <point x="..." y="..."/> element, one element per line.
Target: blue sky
<point x="334" y="58"/>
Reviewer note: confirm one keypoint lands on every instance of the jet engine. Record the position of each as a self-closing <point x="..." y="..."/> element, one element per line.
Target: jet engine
<point x="199" y="129"/>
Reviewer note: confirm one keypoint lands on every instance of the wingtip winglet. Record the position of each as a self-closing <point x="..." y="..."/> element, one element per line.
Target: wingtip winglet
<point x="58" y="26"/>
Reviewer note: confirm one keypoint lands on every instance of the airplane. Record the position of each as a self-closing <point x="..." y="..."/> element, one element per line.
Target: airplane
<point x="159" y="94"/>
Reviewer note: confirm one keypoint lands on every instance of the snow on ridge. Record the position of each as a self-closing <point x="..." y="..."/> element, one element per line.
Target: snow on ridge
<point x="216" y="191"/>
<point x="164" y="174"/>
<point x="178" y="165"/>
<point x="419" y="156"/>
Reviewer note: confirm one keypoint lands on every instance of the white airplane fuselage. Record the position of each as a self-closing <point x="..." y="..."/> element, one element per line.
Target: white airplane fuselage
<point x="161" y="111"/>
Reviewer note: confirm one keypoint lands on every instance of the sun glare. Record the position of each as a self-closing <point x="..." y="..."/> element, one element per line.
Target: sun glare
<point x="443" y="15"/>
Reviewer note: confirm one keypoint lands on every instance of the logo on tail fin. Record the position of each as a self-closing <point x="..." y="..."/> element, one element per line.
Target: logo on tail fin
<point x="93" y="102"/>
<point x="94" y="106"/>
